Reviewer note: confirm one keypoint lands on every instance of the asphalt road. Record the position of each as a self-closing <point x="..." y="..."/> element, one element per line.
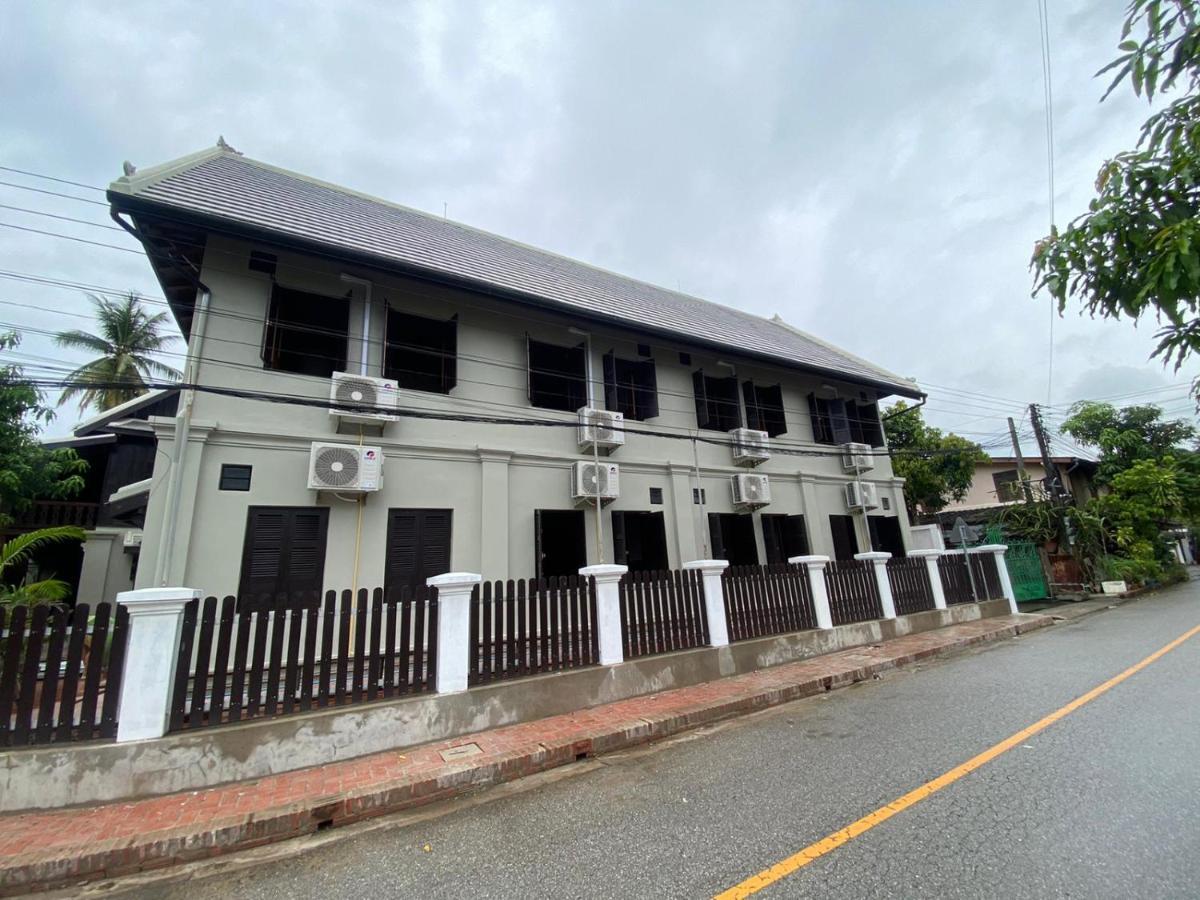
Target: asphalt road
<point x="1101" y="804"/>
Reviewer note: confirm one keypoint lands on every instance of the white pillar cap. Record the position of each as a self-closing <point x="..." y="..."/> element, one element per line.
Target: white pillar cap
<point x="708" y="565"/>
<point x="926" y="553"/>
<point x="808" y="560"/>
<point x="607" y="572"/>
<point x="454" y="579"/>
<point x="872" y="555"/>
<point x="988" y="548"/>
<point x="157" y="599"/>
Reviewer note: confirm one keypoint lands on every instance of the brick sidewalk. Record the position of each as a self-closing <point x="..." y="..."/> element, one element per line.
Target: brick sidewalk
<point x="40" y="850"/>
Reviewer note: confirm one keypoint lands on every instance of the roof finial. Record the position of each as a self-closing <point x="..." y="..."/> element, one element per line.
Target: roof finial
<point x="128" y="168"/>
<point x="224" y="146"/>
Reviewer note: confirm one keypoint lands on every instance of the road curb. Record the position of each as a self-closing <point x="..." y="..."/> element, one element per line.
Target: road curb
<point x="38" y="850"/>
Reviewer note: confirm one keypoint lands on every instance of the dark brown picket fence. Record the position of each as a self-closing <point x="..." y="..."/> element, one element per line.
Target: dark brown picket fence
<point x="987" y="576"/>
<point x="661" y="612"/>
<point x="60" y="673"/>
<point x="909" y="578"/>
<point x="956" y="580"/>
<point x="521" y="628"/>
<point x="853" y="591"/>
<point x="247" y="664"/>
<point x="765" y="600"/>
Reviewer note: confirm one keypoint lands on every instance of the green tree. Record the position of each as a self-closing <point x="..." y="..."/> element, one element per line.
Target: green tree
<point x="1136" y="251"/>
<point x="28" y="470"/>
<point x="1126" y="436"/>
<point x="936" y="467"/>
<point x="128" y="336"/>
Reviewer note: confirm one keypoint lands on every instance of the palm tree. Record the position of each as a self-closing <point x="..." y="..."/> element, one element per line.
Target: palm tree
<point x="17" y="551"/>
<point x="128" y="334"/>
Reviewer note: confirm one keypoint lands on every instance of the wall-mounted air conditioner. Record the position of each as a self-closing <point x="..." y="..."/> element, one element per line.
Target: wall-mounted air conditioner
<point x="132" y="540"/>
<point x="590" y="480"/>
<point x="606" y="428"/>
<point x="750" y="491"/>
<point x="861" y="495"/>
<point x="750" y="447"/>
<point x="346" y="468"/>
<point x="857" y="458"/>
<point x="363" y="400"/>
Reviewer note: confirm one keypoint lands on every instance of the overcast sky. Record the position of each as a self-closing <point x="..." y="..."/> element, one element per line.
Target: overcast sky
<point x="874" y="172"/>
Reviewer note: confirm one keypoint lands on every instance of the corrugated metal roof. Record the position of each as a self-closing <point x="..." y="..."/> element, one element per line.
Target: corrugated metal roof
<point x="246" y="192"/>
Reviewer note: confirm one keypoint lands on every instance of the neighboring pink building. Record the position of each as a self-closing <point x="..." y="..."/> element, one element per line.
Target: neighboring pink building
<point x="997" y="482"/>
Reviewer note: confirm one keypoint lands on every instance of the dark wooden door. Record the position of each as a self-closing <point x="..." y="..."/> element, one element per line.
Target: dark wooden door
<point x="733" y="538"/>
<point x="845" y="540"/>
<point x="418" y="546"/>
<point x="784" y="537"/>
<point x="283" y="556"/>
<point x="885" y="534"/>
<point x="640" y="540"/>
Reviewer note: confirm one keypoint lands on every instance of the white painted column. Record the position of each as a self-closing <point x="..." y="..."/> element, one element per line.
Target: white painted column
<point x="453" y="629"/>
<point x="608" y="611"/>
<point x="816" y="580"/>
<point x="714" y="598"/>
<point x="879" y="559"/>
<point x="998" y="550"/>
<point x="148" y="680"/>
<point x="935" y="575"/>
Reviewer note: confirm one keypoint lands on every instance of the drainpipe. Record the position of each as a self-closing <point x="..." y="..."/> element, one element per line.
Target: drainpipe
<point x="366" y="319"/>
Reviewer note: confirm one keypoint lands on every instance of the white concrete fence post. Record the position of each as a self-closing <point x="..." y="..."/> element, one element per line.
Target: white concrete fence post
<point x="820" y="591"/>
<point x="151" y="652"/>
<point x="453" y="629"/>
<point x="714" y="598"/>
<point x="935" y="575"/>
<point x="878" y="560"/>
<point x="608" y="611"/>
<point x="998" y="550"/>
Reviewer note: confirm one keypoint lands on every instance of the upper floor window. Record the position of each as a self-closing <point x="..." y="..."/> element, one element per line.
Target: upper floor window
<point x="764" y="408"/>
<point x="557" y="376"/>
<point x="837" y="421"/>
<point x="1008" y="485"/>
<point x="630" y="387"/>
<point x="717" y="405"/>
<point x="421" y="354"/>
<point x="305" y="333"/>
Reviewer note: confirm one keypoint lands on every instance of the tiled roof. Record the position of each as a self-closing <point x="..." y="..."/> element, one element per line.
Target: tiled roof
<point x="245" y="192"/>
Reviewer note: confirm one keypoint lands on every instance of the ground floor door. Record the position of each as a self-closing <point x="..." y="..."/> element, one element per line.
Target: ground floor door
<point x="1025" y="571"/>
<point x="560" y="542"/>
<point x="845" y="540"/>
<point x="784" y="537"/>
<point x="733" y="538"/>
<point x="283" y="556"/>
<point x="640" y="541"/>
<point x="418" y="546"/>
<point x="885" y="535"/>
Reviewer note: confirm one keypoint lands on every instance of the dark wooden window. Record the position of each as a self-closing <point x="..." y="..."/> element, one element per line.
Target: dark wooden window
<point x="843" y="421"/>
<point x="845" y="538"/>
<point x="306" y="333"/>
<point x="865" y="427"/>
<point x="283" y="557"/>
<point x="733" y="538"/>
<point x="418" y="546"/>
<point x="717" y="405"/>
<point x="885" y="535"/>
<point x="764" y="408"/>
<point x="630" y="387"/>
<point x="421" y="354"/>
<point x="784" y="537"/>
<point x="560" y="543"/>
<point x="234" y="477"/>
<point x="640" y="540"/>
<point x="557" y="376"/>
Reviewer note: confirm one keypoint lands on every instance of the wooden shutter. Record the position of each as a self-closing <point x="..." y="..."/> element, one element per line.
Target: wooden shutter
<point x="795" y="537"/>
<point x="537" y="543"/>
<point x="620" y="548"/>
<point x="771" y="410"/>
<point x="717" y="536"/>
<point x="702" y="415"/>
<point x="839" y="422"/>
<point x="403" y="544"/>
<point x="283" y="553"/>
<point x="449" y="354"/>
<point x="528" y="368"/>
<point x="820" y="420"/>
<point x="771" y="538"/>
<point x="306" y="555"/>
<point x="648" y="395"/>
<point x="610" y="382"/>
<point x="435" y="542"/>
<point x="754" y="418"/>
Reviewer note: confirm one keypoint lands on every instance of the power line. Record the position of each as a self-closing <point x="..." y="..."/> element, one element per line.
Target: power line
<point x="90" y="187"/>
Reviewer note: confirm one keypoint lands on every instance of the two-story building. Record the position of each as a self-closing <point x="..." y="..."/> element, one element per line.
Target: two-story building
<point x="382" y="395"/>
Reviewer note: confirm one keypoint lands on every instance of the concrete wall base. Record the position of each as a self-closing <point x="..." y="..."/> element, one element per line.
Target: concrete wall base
<point x="64" y="775"/>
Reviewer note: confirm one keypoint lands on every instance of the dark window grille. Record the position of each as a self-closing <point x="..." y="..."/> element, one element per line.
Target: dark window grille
<point x="764" y="408"/>
<point x="421" y="354"/>
<point x="656" y="496"/>
<point x="717" y="404"/>
<point x="557" y="376"/>
<point x="630" y="387"/>
<point x="306" y="333"/>
<point x="235" y="477"/>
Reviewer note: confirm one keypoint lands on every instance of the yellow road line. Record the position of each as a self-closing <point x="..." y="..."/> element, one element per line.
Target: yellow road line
<point x="828" y="844"/>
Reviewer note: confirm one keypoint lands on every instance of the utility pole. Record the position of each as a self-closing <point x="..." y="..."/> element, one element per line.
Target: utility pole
<point x="1039" y="431"/>
<point x="1024" y="479"/>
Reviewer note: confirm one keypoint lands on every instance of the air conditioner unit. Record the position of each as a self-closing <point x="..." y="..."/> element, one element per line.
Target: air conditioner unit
<point x="347" y="468"/>
<point x="750" y="447"/>
<point x="377" y="398"/>
<point x="857" y="458"/>
<point x="590" y="480"/>
<point x="750" y="491"/>
<point x="861" y="495"/>
<point x="606" y="428"/>
<point x="132" y="540"/>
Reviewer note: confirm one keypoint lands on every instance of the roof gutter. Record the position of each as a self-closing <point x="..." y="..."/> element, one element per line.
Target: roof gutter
<point x="140" y="205"/>
<point x="163" y="570"/>
<point x="907" y="409"/>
